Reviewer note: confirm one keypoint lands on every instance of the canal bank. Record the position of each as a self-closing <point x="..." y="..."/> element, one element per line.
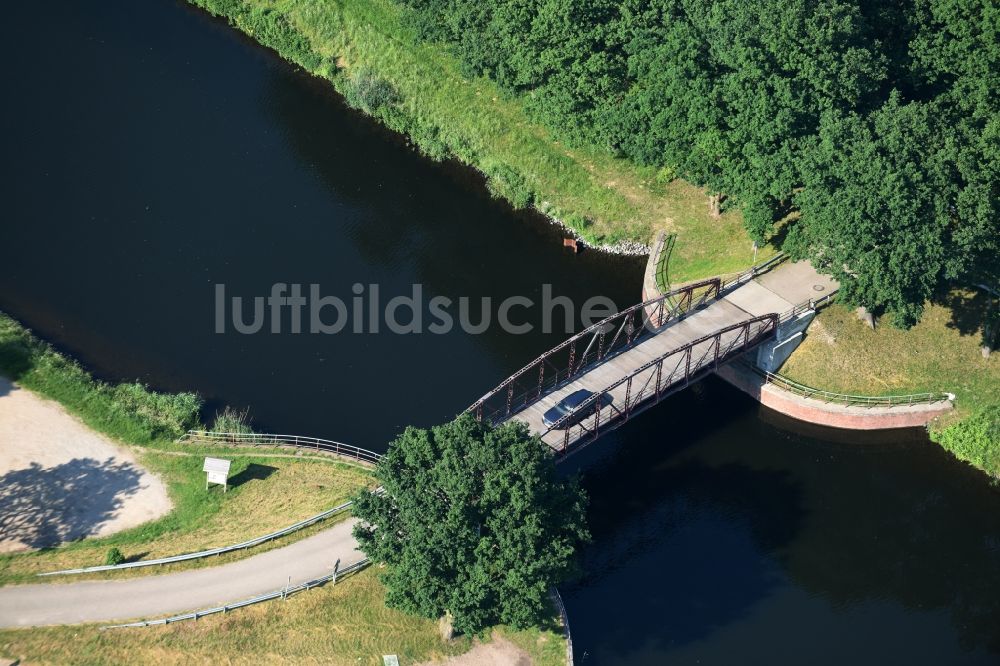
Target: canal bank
<point x="718" y="536"/>
<point x="369" y="51"/>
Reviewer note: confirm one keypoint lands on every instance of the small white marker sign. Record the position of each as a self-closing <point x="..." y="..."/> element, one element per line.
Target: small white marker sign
<point x="218" y="472"/>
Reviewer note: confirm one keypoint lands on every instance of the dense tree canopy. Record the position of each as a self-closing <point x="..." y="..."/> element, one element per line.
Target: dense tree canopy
<point x="473" y="522"/>
<point x="878" y="121"/>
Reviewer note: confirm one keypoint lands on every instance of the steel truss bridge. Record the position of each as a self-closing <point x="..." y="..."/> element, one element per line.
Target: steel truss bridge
<point x="634" y="359"/>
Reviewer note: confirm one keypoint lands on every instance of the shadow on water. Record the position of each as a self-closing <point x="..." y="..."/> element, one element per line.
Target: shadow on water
<point x="42" y="507"/>
<point x="678" y="542"/>
<point x="719" y="534"/>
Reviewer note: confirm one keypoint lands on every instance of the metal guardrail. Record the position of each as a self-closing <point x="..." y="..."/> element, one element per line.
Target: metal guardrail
<point x="298" y="441"/>
<point x="302" y="524"/>
<point x="564" y="616"/>
<point x="805" y="306"/>
<point x="839" y="398"/>
<point x="848" y="399"/>
<point x="283" y="593"/>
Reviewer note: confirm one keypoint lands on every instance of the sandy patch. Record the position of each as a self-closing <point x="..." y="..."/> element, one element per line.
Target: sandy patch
<point x="61" y="481"/>
<point x="498" y="652"/>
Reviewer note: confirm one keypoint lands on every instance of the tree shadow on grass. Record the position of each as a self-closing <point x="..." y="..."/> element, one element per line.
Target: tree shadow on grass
<point x="42" y="507"/>
<point x="971" y="311"/>
<point x="253" y="472"/>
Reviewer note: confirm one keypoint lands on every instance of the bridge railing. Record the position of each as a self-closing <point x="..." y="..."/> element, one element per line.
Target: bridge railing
<point x="298" y="441"/>
<point x="593" y="345"/>
<point x="805" y="306"/>
<point x="658" y="378"/>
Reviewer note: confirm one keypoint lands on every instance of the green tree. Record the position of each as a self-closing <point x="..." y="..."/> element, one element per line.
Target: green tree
<point x="874" y="211"/>
<point x="473" y="521"/>
<point x="878" y="120"/>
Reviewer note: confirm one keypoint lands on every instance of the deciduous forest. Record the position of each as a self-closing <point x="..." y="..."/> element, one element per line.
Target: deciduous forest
<point x="862" y="135"/>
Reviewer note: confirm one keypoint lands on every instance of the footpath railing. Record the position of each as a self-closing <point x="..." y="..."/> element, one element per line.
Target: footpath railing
<point x="283" y="593"/>
<point x="845" y="398"/>
<point x="297" y="441"/>
<point x="302" y="524"/>
<point x="729" y="282"/>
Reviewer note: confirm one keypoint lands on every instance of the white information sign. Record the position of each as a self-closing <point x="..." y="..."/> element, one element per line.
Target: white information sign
<point x="218" y="472"/>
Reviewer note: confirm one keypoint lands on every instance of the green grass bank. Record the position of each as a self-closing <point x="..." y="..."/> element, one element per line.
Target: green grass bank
<point x="370" y="53"/>
<point x="272" y="488"/>
<point x="270" y="491"/>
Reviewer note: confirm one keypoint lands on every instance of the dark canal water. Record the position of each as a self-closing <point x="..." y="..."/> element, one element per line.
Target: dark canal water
<point x="150" y="153"/>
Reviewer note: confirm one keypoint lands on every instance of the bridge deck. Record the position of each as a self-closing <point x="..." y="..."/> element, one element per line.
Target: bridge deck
<point x="755" y="298"/>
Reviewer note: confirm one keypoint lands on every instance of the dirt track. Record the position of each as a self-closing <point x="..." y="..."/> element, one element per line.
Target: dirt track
<point x="60" y="480"/>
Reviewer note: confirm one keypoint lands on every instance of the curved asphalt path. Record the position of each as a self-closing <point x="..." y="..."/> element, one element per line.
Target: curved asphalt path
<point x="156" y="596"/>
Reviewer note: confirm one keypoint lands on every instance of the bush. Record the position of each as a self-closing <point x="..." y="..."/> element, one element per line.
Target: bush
<point x="170" y="414"/>
<point x="975" y="440"/>
<point x="233" y="421"/>
<point x="666" y="175"/>
<point x="365" y="90"/>
<point x="114" y="557"/>
<point x="504" y="182"/>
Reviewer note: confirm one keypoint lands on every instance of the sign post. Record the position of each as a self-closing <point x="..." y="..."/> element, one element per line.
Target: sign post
<point x="217" y="470"/>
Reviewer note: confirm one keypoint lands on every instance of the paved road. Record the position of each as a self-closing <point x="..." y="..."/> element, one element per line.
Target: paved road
<point x="156" y="596"/>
